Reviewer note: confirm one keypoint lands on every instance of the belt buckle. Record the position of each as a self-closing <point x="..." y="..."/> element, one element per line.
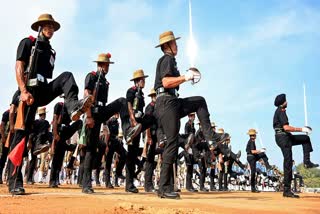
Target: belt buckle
<point x="40" y="78"/>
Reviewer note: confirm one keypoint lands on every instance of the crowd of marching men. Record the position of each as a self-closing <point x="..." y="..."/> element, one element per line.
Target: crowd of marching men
<point x="197" y="168"/>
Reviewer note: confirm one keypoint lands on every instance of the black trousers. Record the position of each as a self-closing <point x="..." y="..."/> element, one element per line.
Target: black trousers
<point x="32" y="165"/>
<point x="169" y="110"/>
<point x="115" y="146"/>
<point x="252" y="159"/>
<point x="61" y="147"/>
<point x="285" y="142"/>
<point x="104" y="113"/>
<point x="101" y="150"/>
<point x="150" y="165"/>
<point x="3" y="159"/>
<point x="134" y="151"/>
<point x="43" y="95"/>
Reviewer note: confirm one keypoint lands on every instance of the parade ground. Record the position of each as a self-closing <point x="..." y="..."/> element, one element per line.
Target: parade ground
<point x="69" y="199"/>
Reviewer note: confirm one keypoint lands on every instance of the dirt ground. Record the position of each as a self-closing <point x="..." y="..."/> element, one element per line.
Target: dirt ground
<point x="69" y="199"/>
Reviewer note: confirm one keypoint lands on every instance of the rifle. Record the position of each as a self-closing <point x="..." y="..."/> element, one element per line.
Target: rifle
<point x="31" y="81"/>
<point x="146" y="144"/>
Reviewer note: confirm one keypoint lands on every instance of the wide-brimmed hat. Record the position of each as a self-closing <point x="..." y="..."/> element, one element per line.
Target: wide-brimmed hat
<point x="41" y="110"/>
<point x="252" y="132"/>
<point x="104" y="57"/>
<point x="152" y="92"/>
<point x="138" y="74"/>
<point x="166" y="37"/>
<point x="45" y="19"/>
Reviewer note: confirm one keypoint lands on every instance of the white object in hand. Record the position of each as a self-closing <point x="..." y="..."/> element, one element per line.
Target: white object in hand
<point x="306" y="130"/>
<point x="189" y="75"/>
<point x="263" y="150"/>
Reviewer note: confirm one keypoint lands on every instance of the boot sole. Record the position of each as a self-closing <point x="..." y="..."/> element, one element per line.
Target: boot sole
<point x="43" y="149"/>
<point x="86" y="105"/>
<point x="134" y="134"/>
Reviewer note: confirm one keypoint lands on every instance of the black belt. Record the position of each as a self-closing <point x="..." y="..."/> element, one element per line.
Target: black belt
<point x="279" y="131"/>
<point x="166" y="92"/>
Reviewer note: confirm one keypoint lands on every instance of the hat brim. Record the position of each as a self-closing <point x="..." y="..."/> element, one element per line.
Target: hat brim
<point x="145" y="76"/>
<point x="153" y="94"/>
<point x="104" y="62"/>
<point x="176" y="38"/>
<point x="35" y="26"/>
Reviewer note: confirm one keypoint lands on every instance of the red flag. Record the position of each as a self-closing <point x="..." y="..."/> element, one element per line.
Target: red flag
<point x="16" y="155"/>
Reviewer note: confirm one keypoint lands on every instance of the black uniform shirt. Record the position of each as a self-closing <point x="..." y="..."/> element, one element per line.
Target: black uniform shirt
<point x="250" y="146"/>
<point x="5" y="117"/>
<point x="61" y="109"/>
<point x="199" y="136"/>
<point x="16" y="98"/>
<point x="189" y="128"/>
<point x="150" y="111"/>
<point x="132" y="93"/>
<point x="40" y="126"/>
<point x="103" y="88"/>
<point x="166" y="67"/>
<point x="46" y="56"/>
<point x="280" y="118"/>
<point x="113" y="126"/>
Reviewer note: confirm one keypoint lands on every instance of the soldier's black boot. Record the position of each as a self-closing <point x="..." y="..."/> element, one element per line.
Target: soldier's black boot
<point x="81" y="107"/>
<point x="132" y="133"/>
<point x="220" y="181"/>
<point x="307" y="161"/>
<point x="40" y="148"/>
<point x="288" y="193"/>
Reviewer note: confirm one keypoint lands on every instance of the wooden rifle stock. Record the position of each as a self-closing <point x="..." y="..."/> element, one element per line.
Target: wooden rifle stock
<point x="7" y="144"/>
<point x="20" y="120"/>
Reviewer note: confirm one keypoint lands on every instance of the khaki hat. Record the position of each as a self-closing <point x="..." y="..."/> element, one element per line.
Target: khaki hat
<point x="41" y="110"/>
<point x="252" y="132"/>
<point x="138" y="74"/>
<point x="220" y="131"/>
<point x="45" y="19"/>
<point x="166" y="37"/>
<point x="213" y="125"/>
<point x="104" y="57"/>
<point x="152" y="92"/>
<point x="192" y="114"/>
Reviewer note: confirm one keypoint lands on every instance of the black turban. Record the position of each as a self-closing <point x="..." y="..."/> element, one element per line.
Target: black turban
<point x="280" y="99"/>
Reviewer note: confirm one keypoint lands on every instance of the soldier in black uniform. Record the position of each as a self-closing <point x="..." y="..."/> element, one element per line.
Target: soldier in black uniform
<point x="62" y="131"/>
<point x="285" y="140"/>
<point x="156" y="133"/>
<point x="170" y="108"/>
<point x="254" y="155"/>
<point x="114" y="145"/>
<point x="96" y="84"/>
<point x="4" y="128"/>
<point x="39" y="141"/>
<point x="42" y="93"/>
<point x="136" y="103"/>
<point x="8" y="118"/>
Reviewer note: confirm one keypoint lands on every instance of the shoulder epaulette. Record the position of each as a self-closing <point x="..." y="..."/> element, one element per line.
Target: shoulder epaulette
<point x="134" y="87"/>
<point x="94" y="73"/>
<point x="152" y="104"/>
<point x="32" y="38"/>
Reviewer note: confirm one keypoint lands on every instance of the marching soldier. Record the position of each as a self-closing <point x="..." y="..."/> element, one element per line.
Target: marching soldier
<point x="136" y="103"/>
<point x="114" y="145"/>
<point x="96" y="84"/>
<point x="35" y="57"/>
<point x="4" y="128"/>
<point x="170" y="108"/>
<point x="254" y="155"/>
<point x="285" y="140"/>
<point x="62" y="131"/>
<point x="39" y="142"/>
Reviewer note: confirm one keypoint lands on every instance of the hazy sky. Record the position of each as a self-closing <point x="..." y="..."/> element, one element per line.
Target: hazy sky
<point x="248" y="52"/>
